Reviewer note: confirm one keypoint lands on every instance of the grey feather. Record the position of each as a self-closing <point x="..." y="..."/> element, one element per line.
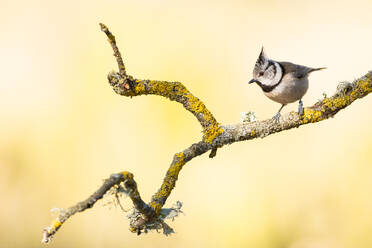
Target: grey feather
<point x="299" y="71"/>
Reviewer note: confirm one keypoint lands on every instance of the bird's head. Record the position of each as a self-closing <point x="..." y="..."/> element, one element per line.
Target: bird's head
<point x="266" y="72"/>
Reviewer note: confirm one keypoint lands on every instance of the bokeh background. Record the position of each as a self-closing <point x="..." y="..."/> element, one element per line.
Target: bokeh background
<point x="63" y="130"/>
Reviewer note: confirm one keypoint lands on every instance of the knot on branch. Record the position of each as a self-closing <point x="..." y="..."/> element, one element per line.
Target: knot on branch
<point x="122" y="85"/>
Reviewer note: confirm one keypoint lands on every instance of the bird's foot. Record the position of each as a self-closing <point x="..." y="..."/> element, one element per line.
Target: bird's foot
<point x="276" y="117"/>
<point x="300" y="108"/>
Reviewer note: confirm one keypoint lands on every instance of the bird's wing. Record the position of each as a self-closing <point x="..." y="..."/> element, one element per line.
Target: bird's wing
<point x="299" y="71"/>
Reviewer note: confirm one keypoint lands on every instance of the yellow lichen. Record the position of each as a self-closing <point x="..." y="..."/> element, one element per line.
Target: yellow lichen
<point x="195" y="104"/>
<point x="156" y="206"/>
<point x="56" y="224"/>
<point x="337" y="102"/>
<point x="311" y="115"/>
<point x="212" y="132"/>
<point x="127" y="175"/>
<point x="139" y="89"/>
<point x="252" y="133"/>
<point x="169" y="181"/>
<point x="165" y="89"/>
<point x="365" y="85"/>
<point x="197" y="107"/>
<point x="172" y="90"/>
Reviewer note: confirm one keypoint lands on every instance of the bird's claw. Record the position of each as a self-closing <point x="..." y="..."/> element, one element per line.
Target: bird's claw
<point x="276" y="117"/>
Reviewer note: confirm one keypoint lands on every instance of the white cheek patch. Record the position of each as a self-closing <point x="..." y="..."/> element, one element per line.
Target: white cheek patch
<point x="273" y="80"/>
<point x="279" y="73"/>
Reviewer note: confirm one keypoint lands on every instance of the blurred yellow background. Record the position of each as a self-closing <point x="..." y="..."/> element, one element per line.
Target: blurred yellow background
<point x="63" y="129"/>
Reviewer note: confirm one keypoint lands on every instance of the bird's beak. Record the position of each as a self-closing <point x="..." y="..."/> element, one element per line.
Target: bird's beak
<point x="252" y="81"/>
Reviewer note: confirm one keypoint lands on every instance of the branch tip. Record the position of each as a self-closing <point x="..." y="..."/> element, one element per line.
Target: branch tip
<point x="103" y="27"/>
<point x="117" y="54"/>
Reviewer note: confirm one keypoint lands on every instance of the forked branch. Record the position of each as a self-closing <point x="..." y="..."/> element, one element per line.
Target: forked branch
<point x="215" y="136"/>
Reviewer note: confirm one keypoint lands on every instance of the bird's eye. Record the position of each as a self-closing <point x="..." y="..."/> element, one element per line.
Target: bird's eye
<point x="261" y="73"/>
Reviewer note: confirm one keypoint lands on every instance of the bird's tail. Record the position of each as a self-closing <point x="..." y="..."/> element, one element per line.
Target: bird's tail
<point x="317" y="69"/>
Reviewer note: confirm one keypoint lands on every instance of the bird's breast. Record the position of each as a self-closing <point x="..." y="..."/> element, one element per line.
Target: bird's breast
<point x="290" y="89"/>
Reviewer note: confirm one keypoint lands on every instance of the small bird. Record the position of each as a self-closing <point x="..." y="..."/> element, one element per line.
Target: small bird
<point x="282" y="82"/>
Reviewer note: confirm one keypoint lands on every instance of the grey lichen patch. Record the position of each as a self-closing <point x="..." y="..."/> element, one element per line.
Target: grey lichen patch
<point x="344" y="88"/>
<point x="249" y="116"/>
<point x="139" y="224"/>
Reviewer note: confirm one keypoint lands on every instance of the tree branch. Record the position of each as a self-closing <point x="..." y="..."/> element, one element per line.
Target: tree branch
<point x="117" y="54"/>
<point x="215" y="135"/>
<point x="126" y="85"/>
<point x="115" y="179"/>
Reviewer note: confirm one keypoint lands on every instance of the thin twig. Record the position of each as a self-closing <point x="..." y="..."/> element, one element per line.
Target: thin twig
<point x="117" y="54"/>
